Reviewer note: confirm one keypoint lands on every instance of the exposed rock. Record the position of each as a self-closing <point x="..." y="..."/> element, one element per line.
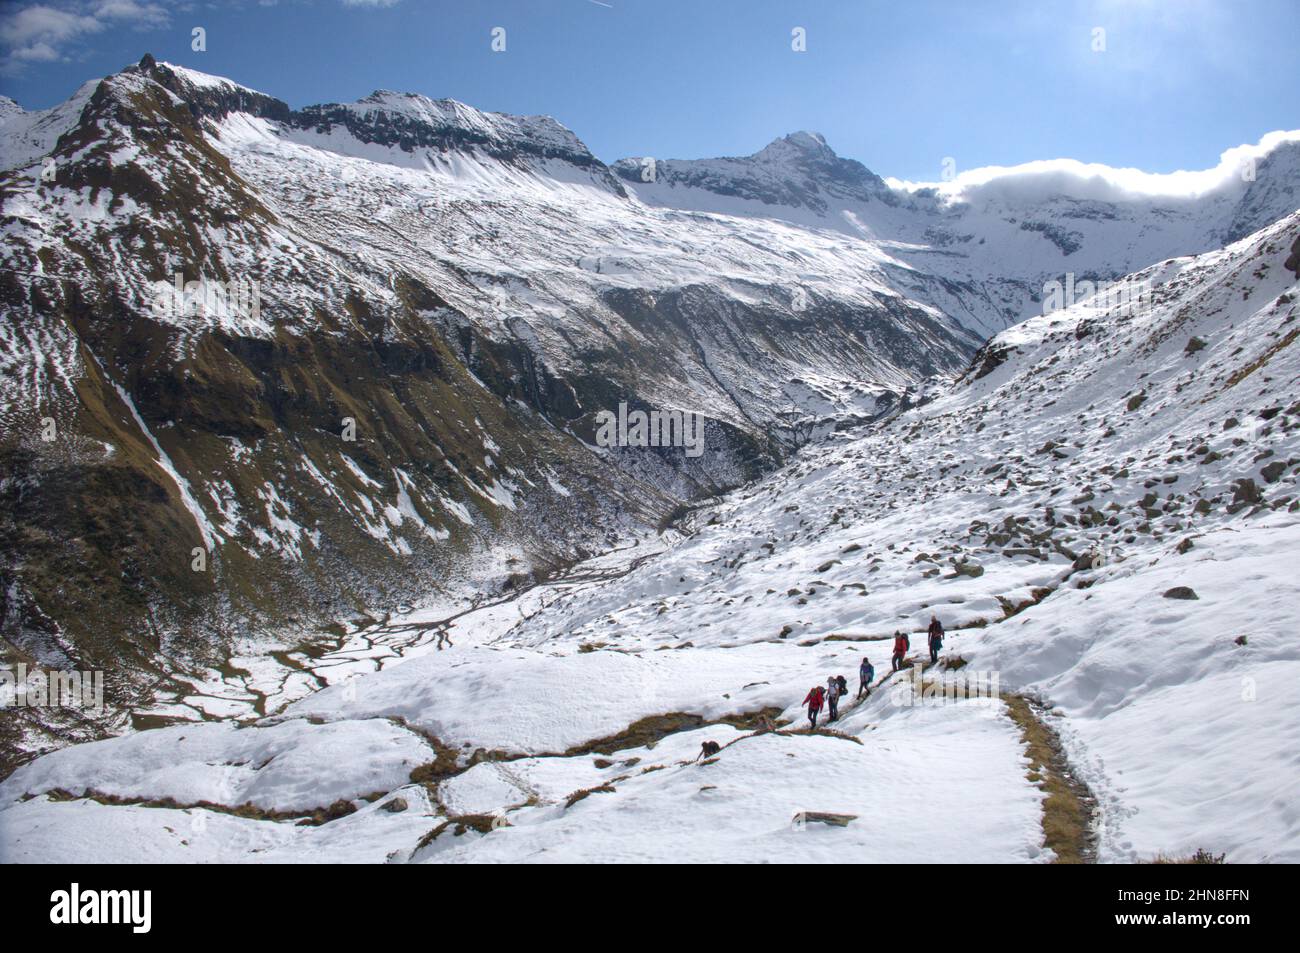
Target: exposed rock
<point x="1273" y="472"/>
<point x="1246" y="491"/>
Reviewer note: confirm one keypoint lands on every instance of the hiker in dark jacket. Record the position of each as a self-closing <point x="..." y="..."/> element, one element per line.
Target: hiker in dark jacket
<point x="901" y="646"/>
<point x="866" y="672"/>
<point x="936" y="639"/>
<point x="814" y="702"/>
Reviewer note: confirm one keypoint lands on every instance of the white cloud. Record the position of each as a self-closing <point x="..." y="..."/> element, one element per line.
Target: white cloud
<point x="44" y="32"/>
<point x="1034" y="181"/>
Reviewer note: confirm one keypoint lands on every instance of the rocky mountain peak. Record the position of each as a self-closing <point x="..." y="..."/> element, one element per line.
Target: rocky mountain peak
<point x="799" y="170"/>
<point x="796" y="145"/>
<point x="8" y="108"/>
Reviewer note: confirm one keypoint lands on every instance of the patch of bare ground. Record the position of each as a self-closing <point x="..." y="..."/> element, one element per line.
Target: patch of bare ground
<point x="583" y="793"/>
<point x="1010" y="608"/>
<point x="1202" y="856"/>
<point x="823" y="817"/>
<point x="648" y="732"/>
<point x="314" y="817"/>
<point x="1069" y="809"/>
<point x="461" y="823"/>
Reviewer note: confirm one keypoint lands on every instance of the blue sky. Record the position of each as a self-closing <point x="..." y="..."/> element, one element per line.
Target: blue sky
<point x="899" y="86"/>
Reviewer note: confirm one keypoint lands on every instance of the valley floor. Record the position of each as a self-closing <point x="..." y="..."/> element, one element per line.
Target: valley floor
<point x="521" y="744"/>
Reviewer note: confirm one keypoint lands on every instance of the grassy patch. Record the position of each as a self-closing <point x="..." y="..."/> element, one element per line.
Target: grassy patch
<point x="583" y="793"/>
<point x="312" y="818"/>
<point x="1202" y="856"/>
<point x="462" y="823"/>
<point x="1067" y="809"/>
<point x="1242" y="373"/>
<point x="822" y="817"/>
<point x="648" y="732"/>
<point x="1010" y="608"/>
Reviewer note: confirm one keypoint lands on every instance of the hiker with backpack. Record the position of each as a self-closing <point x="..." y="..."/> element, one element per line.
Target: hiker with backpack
<point x="833" y="697"/>
<point x="866" y="672"/>
<point x="902" y="644"/>
<point x="814" y="702"/>
<point x="936" y="639"/>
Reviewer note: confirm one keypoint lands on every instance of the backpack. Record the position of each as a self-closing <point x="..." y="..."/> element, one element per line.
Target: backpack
<point x="844" y="686"/>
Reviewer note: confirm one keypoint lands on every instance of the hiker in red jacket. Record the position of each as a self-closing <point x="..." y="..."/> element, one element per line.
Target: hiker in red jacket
<point x="814" y="702"/>
<point x="901" y="646"/>
<point x="936" y="639"/>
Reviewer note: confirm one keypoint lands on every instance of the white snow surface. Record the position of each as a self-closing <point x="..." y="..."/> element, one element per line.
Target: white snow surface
<point x="294" y="766"/>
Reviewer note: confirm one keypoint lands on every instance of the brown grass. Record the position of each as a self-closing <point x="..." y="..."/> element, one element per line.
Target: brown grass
<point x="1202" y="856"/>
<point x="1067" y="809"/>
<point x="647" y="732"/>
<point x="312" y="818"/>
<point x="460" y="824"/>
<point x="582" y="793"/>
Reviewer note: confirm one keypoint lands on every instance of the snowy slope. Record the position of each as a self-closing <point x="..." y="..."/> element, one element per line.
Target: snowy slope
<point x="1051" y="507"/>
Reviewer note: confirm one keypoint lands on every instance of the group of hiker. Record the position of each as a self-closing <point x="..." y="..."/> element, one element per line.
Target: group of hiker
<point x="836" y="687"/>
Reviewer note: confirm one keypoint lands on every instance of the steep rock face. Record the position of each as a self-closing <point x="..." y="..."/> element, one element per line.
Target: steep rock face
<point x="209" y="96"/>
<point x="797" y="171"/>
<point x="408" y="121"/>
<point x="1293" y="260"/>
<point x="1273" y="184"/>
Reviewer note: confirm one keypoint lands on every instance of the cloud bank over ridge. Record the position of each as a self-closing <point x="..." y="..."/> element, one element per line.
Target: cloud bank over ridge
<point x="1093" y="181"/>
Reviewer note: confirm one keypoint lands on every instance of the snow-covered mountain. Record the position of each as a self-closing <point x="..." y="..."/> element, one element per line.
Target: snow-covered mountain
<point x="1101" y="512"/>
<point x="412" y="313"/>
<point x="982" y="247"/>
